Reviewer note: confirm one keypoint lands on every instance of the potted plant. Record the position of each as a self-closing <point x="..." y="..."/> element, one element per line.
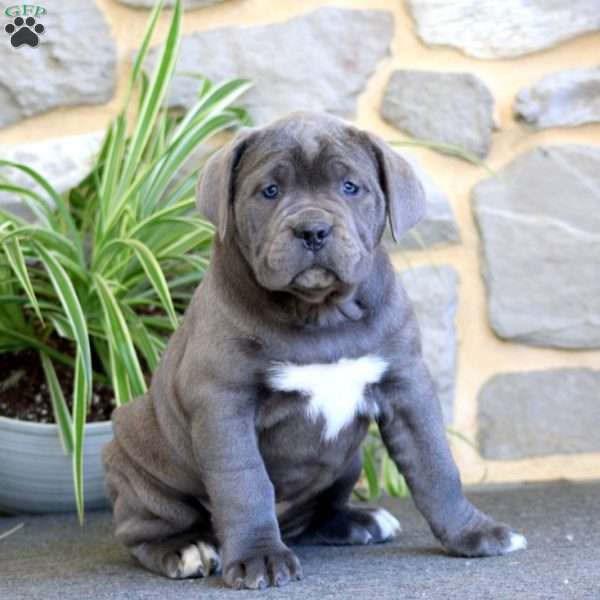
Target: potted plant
<point x="90" y="292"/>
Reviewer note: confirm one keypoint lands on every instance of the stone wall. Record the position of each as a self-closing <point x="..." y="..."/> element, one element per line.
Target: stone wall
<point x="507" y="285"/>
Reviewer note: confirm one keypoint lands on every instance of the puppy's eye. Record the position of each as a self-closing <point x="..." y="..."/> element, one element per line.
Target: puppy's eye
<point x="271" y="191"/>
<point x="350" y="188"/>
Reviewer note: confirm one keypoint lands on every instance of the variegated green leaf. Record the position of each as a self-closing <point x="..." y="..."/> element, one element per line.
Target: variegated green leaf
<point x="119" y="336"/>
<point x="81" y="395"/>
<point x="62" y="415"/>
<point x="72" y="308"/>
<point x="14" y="255"/>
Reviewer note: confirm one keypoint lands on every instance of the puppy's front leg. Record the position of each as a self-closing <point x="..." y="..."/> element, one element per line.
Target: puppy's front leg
<point x="412" y="429"/>
<point x="242" y="500"/>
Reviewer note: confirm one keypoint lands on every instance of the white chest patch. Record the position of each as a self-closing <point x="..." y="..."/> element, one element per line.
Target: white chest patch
<point x="334" y="390"/>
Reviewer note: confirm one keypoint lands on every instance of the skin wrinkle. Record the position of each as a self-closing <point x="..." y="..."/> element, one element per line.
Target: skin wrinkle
<point x="249" y="445"/>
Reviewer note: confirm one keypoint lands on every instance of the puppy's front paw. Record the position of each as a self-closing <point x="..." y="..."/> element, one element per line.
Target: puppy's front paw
<point x="487" y="539"/>
<point x="262" y="568"/>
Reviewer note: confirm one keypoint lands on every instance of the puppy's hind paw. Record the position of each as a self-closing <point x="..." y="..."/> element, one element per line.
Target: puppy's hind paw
<point x="389" y="526"/>
<point x="517" y="542"/>
<point x="350" y="526"/>
<point x="199" y="559"/>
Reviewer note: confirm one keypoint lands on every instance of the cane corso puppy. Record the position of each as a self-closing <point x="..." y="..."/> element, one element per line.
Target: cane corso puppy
<point x="299" y="335"/>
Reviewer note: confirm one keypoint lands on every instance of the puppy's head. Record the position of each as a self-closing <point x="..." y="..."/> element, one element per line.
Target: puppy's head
<point x="306" y="199"/>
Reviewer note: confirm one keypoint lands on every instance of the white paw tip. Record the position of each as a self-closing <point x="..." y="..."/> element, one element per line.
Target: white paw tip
<point x="198" y="559"/>
<point x="389" y="525"/>
<point x="190" y="562"/>
<point x="210" y="557"/>
<point x="517" y="542"/>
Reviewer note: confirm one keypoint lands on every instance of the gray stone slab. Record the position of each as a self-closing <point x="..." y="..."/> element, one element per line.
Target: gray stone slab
<point x="437" y="227"/>
<point x="74" y="63"/>
<point x="488" y="29"/>
<point x="449" y="108"/>
<point x="563" y="99"/>
<point x="50" y="558"/>
<point x="539" y="219"/>
<point x="318" y="61"/>
<point x="538" y="413"/>
<point x="63" y="161"/>
<point x="433" y="291"/>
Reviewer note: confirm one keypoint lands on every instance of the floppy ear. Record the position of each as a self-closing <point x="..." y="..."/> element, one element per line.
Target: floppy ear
<point x="214" y="192"/>
<point x="403" y="191"/>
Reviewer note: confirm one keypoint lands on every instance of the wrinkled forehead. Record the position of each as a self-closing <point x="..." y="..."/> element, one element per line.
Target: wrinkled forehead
<point x="306" y="150"/>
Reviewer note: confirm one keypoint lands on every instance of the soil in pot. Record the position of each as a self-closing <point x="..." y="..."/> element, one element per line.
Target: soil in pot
<point x="24" y="394"/>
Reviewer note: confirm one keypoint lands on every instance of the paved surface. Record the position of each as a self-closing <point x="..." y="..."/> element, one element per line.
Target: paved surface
<point x="50" y="558"/>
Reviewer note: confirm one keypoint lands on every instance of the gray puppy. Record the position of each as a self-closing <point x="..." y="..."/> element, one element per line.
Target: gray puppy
<point x="298" y="336"/>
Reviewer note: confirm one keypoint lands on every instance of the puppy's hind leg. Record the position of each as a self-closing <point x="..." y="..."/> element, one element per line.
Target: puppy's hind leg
<point x="161" y="547"/>
<point x="168" y="534"/>
<point x="335" y="522"/>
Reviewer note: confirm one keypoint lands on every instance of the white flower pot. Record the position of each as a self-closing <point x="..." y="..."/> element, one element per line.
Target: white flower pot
<point x="35" y="474"/>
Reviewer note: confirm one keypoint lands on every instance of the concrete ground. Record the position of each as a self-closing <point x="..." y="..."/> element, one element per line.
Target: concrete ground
<point x="51" y="558"/>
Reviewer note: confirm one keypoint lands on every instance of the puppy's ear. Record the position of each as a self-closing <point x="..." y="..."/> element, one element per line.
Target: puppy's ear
<point x="403" y="191"/>
<point x="214" y="192"/>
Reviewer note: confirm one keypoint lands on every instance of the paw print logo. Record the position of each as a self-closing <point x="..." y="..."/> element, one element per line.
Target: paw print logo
<point x="24" y="31"/>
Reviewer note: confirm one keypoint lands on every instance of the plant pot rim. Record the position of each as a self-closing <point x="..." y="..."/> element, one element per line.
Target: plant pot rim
<point x="31" y="427"/>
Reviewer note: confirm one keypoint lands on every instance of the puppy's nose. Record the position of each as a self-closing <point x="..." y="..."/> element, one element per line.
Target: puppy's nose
<point x="313" y="236"/>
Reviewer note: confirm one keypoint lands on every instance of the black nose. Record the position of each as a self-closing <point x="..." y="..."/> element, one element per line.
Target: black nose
<point x="313" y="236"/>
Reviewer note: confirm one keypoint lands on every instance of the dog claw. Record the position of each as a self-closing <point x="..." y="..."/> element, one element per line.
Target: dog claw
<point x="257" y="573"/>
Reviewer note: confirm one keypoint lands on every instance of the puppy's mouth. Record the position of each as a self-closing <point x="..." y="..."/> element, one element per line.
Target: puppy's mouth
<point x="315" y="278"/>
<point x="314" y="284"/>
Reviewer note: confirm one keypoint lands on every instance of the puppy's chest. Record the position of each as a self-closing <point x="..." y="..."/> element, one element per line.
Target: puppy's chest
<point x="335" y="391"/>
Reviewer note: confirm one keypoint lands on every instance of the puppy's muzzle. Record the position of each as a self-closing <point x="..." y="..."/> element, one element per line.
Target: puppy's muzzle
<point x="312" y="226"/>
<point x="313" y="234"/>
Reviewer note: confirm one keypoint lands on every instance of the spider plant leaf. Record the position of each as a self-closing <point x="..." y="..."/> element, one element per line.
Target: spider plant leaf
<point x="143" y="51"/>
<point x="142" y="339"/>
<point x="390" y="476"/>
<point x="48" y="237"/>
<point x="118" y="335"/>
<point x="32" y="342"/>
<point x="42" y="210"/>
<point x="6" y="299"/>
<point x="169" y="231"/>
<point x="157" y="89"/>
<point x="462" y="438"/>
<point x="154" y="274"/>
<point x="180" y="151"/>
<point x="11" y="531"/>
<point x="62" y="415"/>
<point x="144" y="84"/>
<point x="14" y="254"/>
<point x="213" y="102"/>
<point x="9" y="218"/>
<point x="184" y="244"/>
<point x="184" y="190"/>
<point x="112" y="167"/>
<point x="154" y="219"/>
<point x="59" y="203"/>
<point x="158" y="322"/>
<point x="81" y="395"/>
<point x="370" y="469"/>
<point x="67" y="296"/>
<point x="61" y="325"/>
<point x="119" y="378"/>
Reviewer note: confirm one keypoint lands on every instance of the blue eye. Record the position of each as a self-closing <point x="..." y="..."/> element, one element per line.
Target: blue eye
<point x="271" y="191"/>
<point x="349" y="188"/>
